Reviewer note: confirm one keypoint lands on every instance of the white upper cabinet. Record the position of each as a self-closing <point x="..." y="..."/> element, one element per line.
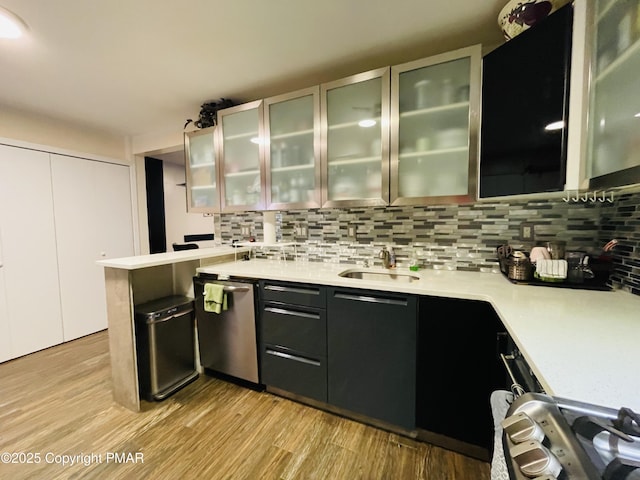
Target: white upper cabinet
<point x="292" y="150"/>
<point x="242" y="157"/>
<point x="434" y="128"/>
<point x="355" y="140"/>
<point x="614" y="103"/>
<point x="201" y="175"/>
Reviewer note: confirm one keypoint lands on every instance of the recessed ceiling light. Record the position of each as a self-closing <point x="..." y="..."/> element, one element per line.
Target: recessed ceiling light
<point x="637" y="115"/>
<point x="11" y="26"/>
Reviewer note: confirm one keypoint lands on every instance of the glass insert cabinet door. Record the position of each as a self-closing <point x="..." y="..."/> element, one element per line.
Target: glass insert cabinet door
<point x="241" y="150"/>
<point x="355" y="158"/>
<point x="434" y="128"/>
<point x="614" y="130"/>
<point x="292" y="127"/>
<point x="201" y="171"/>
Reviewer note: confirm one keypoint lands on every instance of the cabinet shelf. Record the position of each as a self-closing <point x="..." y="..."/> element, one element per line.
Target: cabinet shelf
<point x="299" y="133"/>
<point x="619" y="61"/>
<point x="606" y="10"/>
<point x="441" y="151"/>
<point x="292" y="168"/>
<point x="340" y="126"/>
<point x="193" y="166"/>
<point x="241" y="136"/>
<point x="435" y="110"/>
<point x="242" y="174"/>
<point x="353" y="161"/>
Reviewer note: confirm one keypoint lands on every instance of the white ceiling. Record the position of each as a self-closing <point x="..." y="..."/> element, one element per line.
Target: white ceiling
<point x="145" y="66"/>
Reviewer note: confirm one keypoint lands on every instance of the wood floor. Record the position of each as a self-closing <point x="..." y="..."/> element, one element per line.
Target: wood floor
<point x="58" y="403"/>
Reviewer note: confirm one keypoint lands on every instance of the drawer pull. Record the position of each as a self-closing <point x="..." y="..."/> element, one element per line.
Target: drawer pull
<point x="282" y="311"/>
<point x="304" y="291"/>
<point x="366" y="298"/>
<point x="293" y="357"/>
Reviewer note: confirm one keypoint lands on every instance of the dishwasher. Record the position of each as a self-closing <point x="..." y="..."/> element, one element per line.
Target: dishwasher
<point x="228" y="341"/>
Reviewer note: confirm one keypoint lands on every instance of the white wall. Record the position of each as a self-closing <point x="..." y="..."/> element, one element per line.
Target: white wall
<point x="178" y="222"/>
<point x="37" y="129"/>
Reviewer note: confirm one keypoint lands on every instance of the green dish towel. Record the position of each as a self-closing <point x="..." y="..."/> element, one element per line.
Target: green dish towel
<point x="215" y="300"/>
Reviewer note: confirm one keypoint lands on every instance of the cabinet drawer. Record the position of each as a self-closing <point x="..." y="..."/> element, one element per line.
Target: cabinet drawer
<point x="297" y="329"/>
<point x="295" y="374"/>
<point x="293" y="293"/>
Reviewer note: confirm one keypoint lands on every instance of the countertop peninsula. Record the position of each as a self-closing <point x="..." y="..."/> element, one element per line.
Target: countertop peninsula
<point x="131" y="281"/>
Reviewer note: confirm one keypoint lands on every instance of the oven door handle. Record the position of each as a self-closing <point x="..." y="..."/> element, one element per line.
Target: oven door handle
<point x="516" y="388"/>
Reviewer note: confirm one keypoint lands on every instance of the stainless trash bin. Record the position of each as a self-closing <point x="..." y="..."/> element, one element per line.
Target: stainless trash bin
<point x="165" y="341"/>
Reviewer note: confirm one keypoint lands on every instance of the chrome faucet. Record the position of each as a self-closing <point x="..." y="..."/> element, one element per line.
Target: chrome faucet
<point x="386" y="257"/>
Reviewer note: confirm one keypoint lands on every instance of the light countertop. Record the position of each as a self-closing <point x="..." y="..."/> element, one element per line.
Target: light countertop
<point x="581" y="344"/>
<point x="155" y="259"/>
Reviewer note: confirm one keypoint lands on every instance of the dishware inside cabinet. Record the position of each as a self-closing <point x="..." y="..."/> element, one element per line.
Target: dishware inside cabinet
<point x="614" y="130"/>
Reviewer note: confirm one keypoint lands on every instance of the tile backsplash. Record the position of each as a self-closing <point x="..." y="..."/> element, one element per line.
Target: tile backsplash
<point x="453" y="237"/>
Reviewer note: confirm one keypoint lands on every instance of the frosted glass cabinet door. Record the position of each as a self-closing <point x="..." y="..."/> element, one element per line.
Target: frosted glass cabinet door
<point x="434" y="125"/>
<point x="614" y="130"/>
<point x="201" y="171"/>
<point x="292" y="127"/>
<point x="242" y="168"/>
<point x="355" y="129"/>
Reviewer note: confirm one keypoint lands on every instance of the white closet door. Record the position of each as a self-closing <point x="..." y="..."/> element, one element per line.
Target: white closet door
<point x="93" y="222"/>
<point x="5" y="332"/>
<point x="30" y="266"/>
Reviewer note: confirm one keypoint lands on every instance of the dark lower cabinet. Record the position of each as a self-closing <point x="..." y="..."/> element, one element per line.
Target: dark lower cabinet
<point x="293" y="346"/>
<point x="371" y="350"/>
<point x="458" y="368"/>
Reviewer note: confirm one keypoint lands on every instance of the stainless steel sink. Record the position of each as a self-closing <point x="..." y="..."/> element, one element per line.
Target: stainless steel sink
<point x="380" y="275"/>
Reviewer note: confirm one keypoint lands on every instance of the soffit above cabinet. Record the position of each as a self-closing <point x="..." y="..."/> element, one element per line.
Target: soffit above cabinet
<point x="238" y="50"/>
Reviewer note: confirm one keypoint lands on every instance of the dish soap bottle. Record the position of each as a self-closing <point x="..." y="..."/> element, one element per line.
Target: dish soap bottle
<point x="414" y="263"/>
<point x="392" y="257"/>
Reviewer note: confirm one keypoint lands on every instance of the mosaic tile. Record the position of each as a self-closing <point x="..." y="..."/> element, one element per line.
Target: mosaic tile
<point x="454" y="237"/>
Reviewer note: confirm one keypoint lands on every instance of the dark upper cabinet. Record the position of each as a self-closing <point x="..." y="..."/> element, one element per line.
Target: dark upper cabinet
<point x="525" y="105"/>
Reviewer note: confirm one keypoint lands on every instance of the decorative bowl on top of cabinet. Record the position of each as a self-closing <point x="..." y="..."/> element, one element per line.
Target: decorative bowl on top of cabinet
<point x="434" y="128"/>
<point x="614" y="113"/>
<point x="292" y="149"/>
<point x="201" y="171"/>
<point x="355" y="140"/>
<point x="241" y="157"/>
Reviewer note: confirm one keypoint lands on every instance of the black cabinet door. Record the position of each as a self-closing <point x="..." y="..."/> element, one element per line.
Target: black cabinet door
<point x="371" y="350"/>
<point x="525" y="103"/>
<point x="458" y="368"/>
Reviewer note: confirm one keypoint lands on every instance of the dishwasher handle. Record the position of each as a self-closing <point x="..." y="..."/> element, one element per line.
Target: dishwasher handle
<point x="232" y="288"/>
<point x="229" y="288"/>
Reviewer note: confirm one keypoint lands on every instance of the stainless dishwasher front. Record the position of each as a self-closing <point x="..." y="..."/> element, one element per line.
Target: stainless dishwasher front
<point x="228" y="340"/>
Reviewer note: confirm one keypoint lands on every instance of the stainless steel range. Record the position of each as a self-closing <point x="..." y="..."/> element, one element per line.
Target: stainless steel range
<point x="546" y="437"/>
